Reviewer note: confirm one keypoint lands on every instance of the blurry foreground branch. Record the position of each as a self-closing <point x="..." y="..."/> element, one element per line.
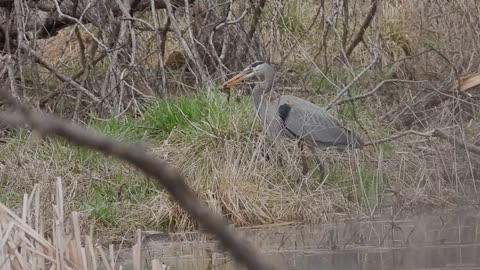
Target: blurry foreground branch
<point x="148" y="164"/>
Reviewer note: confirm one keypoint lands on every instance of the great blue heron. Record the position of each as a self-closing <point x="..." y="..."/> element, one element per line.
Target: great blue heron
<point x="293" y="117"/>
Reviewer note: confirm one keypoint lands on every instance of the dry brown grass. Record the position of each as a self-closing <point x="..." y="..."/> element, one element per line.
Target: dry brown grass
<point x="31" y="242"/>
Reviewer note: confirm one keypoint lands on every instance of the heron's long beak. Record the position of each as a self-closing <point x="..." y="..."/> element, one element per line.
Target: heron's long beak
<point x="245" y="74"/>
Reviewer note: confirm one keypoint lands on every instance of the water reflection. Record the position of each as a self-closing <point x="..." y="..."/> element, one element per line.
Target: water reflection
<point x="437" y="240"/>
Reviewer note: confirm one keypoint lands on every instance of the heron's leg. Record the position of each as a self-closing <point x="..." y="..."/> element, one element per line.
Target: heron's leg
<point x="304" y="159"/>
<point x="276" y="153"/>
<point x="321" y="168"/>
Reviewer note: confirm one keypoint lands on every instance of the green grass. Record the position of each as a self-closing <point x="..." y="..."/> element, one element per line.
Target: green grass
<point x="12" y="199"/>
<point x="322" y="85"/>
<point x="128" y="129"/>
<point x="364" y="189"/>
<point x="197" y="117"/>
<point x="192" y="116"/>
<point x="389" y="150"/>
<point x="163" y="116"/>
<point x="101" y="204"/>
<point x="371" y="185"/>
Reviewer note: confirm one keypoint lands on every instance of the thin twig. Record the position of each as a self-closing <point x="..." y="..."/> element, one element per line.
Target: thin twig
<point x="374" y="90"/>
<point x="366" y="23"/>
<point x="57" y="73"/>
<point x="51" y="95"/>
<point x="190" y="51"/>
<point x="79" y="23"/>
<point x="346" y="20"/>
<point x="257" y="14"/>
<point x="400" y="135"/>
<point x="455" y="71"/>
<point x="161" y="39"/>
<point x="456" y="141"/>
<point x="429" y="134"/>
<point x="345" y="89"/>
<point x="297" y="40"/>
<point x="218" y="27"/>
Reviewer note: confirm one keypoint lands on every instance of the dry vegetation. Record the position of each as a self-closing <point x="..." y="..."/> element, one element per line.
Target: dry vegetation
<point x="170" y="105"/>
<point x="31" y="243"/>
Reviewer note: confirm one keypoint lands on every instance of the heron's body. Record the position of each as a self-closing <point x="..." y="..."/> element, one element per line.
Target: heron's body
<point x="296" y="118"/>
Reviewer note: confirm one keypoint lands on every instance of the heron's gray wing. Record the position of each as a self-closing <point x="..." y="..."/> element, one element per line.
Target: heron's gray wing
<point x="313" y="124"/>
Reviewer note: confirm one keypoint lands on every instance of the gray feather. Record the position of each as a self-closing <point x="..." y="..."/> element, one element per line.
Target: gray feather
<point x="314" y="125"/>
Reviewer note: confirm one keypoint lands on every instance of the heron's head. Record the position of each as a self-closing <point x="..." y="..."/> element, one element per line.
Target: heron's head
<point x="259" y="69"/>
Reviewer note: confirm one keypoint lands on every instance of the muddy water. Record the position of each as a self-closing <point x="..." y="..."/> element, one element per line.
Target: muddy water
<point x="435" y="240"/>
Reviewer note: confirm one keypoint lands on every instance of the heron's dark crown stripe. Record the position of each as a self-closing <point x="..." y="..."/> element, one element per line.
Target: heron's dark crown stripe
<point x="256" y="63"/>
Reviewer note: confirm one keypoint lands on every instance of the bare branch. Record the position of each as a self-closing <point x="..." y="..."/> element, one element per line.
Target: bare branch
<point x="400" y="135"/>
<point x="221" y="57"/>
<point x="61" y="76"/>
<point x="191" y="52"/>
<point x="366" y="23"/>
<point x="161" y="40"/>
<point x="346" y="20"/>
<point x="374" y="90"/>
<point x="257" y="14"/>
<point x="345" y="89"/>
<point x="429" y="134"/>
<point x="456" y="141"/>
<point x="47" y="21"/>
<point x="297" y="40"/>
<point x="455" y="71"/>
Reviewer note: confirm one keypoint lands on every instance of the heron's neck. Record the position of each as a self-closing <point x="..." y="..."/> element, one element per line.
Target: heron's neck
<point x="259" y="97"/>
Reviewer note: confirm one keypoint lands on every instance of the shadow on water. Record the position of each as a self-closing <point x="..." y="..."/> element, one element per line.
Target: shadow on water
<point x="436" y="240"/>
